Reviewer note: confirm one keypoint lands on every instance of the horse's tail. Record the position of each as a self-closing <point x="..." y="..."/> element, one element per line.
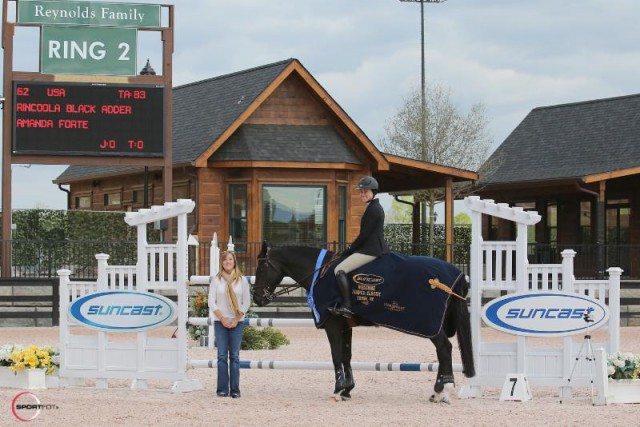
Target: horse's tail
<point x="462" y="321"/>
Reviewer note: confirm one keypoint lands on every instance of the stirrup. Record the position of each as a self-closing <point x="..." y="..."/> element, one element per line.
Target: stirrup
<point x="341" y="310"/>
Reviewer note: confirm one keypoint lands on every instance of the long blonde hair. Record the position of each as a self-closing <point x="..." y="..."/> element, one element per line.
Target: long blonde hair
<point x="230" y="278"/>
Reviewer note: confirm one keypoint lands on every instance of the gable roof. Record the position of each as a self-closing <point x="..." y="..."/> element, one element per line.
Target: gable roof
<point x="204" y="110"/>
<point x="295" y="67"/>
<point x="583" y="141"/>
<point x="207" y="113"/>
<point x="287" y="144"/>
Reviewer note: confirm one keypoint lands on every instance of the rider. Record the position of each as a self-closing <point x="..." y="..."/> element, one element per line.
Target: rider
<point x="369" y="244"/>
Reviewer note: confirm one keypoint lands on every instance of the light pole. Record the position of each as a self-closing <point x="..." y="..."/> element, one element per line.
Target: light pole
<point x="423" y="102"/>
<point x="423" y="107"/>
<point x="146" y="71"/>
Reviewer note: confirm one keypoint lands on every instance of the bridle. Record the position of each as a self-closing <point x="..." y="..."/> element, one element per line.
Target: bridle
<point x="270" y="295"/>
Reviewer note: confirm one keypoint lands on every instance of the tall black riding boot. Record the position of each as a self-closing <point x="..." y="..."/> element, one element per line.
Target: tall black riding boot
<point x="345" y="293"/>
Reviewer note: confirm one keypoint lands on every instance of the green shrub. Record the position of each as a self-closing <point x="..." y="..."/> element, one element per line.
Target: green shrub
<point x="262" y="339"/>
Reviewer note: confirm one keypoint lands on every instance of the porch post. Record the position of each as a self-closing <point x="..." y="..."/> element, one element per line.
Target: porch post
<point x="415" y="232"/>
<point x="448" y="220"/>
<point x="600" y="236"/>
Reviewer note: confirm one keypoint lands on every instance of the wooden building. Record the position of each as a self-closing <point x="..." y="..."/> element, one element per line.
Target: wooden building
<point x="578" y="165"/>
<point x="266" y="153"/>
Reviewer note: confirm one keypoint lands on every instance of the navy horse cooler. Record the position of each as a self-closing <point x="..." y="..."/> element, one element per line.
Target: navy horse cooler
<point x="390" y="291"/>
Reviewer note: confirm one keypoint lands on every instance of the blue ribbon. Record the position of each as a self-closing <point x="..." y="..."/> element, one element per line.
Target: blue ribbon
<point x="310" y="301"/>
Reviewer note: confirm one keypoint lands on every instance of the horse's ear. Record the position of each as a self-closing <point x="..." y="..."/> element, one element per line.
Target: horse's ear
<point x="264" y="249"/>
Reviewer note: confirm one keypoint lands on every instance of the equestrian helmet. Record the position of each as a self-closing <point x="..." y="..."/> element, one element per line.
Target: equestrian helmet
<point x="367" y="183"/>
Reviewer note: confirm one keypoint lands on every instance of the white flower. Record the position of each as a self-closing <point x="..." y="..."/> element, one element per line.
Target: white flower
<point x="7" y="349"/>
<point x="628" y="356"/>
<point x="610" y="370"/>
<point x="619" y="363"/>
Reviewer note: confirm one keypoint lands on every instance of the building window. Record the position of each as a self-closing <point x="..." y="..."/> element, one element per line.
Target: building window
<point x="618" y="214"/>
<point x="552" y="223"/>
<point x="238" y="216"/>
<point x="617" y="229"/>
<point x="294" y="214"/>
<point x="585" y="222"/>
<point x="83" y="202"/>
<point x="531" y="230"/>
<point x="112" y="199"/>
<point x="342" y="217"/>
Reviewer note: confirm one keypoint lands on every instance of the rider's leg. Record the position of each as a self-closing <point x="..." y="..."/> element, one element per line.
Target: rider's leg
<point x="345" y="294"/>
<point x="352" y="262"/>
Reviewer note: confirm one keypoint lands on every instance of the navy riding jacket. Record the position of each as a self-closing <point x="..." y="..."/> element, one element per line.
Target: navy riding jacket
<point x="371" y="241"/>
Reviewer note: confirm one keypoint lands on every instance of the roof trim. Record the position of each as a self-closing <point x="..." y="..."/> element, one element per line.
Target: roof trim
<point x="431" y="167"/>
<point x="283" y="165"/>
<point x="295" y="65"/>
<point x="111" y="173"/>
<point x="611" y="175"/>
<point x="201" y="161"/>
<point x="382" y="163"/>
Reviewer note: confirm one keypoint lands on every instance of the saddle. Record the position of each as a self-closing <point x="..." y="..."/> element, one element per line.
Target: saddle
<point x="406" y="293"/>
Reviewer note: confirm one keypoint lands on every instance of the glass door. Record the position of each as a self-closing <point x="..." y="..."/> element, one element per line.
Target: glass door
<point x="618" y="214"/>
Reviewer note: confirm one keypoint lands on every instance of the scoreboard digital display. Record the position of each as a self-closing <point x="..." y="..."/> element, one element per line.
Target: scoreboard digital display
<point x="55" y="118"/>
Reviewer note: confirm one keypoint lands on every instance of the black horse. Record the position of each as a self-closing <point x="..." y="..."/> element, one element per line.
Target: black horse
<point x="298" y="262"/>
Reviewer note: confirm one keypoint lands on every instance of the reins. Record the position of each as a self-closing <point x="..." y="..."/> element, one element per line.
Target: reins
<point x="288" y="288"/>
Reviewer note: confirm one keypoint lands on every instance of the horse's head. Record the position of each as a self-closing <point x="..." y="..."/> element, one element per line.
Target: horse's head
<point x="268" y="277"/>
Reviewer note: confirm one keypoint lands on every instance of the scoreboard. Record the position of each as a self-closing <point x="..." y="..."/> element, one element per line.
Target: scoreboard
<point x="57" y="118"/>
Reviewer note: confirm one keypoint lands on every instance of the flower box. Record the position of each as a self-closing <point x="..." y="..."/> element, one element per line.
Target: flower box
<point x="33" y="379"/>
<point x="623" y="391"/>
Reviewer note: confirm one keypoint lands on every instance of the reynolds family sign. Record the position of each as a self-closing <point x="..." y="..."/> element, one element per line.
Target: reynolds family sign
<point x="88" y="13"/>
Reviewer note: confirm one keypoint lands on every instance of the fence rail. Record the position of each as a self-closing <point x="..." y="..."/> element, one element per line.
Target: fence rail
<point x="42" y="258"/>
<point x="25" y="299"/>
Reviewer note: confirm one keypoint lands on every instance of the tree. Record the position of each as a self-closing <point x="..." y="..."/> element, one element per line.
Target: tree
<point x="451" y="138"/>
<point x="399" y="213"/>
<point x="462" y="218"/>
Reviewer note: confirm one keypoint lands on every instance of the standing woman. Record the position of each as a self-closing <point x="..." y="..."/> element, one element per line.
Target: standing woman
<point x="229" y="300"/>
<point x="369" y="244"/>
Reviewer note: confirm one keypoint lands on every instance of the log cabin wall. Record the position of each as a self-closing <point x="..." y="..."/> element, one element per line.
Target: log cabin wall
<point x="292" y="103"/>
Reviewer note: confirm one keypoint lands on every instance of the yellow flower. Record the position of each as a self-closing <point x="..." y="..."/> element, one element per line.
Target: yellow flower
<point x="33" y="357"/>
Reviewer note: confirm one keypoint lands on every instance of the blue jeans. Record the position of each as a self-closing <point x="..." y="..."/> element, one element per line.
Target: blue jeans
<point x="228" y="341"/>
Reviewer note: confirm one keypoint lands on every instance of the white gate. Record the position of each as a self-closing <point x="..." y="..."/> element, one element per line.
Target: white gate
<point x="159" y="268"/>
<point x="502" y="267"/>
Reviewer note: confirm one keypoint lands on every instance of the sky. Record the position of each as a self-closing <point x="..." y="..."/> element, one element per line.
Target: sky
<point x="510" y="55"/>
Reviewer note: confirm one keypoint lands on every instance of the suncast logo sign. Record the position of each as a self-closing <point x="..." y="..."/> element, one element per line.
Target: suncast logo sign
<point x="545" y="314"/>
<point x="123" y="311"/>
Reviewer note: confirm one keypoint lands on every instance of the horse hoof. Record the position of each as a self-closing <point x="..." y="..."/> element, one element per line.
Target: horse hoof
<point x="435" y="398"/>
<point x="345" y="395"/>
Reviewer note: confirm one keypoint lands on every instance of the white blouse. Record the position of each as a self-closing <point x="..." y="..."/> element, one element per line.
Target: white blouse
<point x="218" y="299"/>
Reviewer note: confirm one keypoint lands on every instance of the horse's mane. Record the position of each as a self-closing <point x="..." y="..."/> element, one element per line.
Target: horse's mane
<point x="302" y="248"/>
<point x="292" y="253"/>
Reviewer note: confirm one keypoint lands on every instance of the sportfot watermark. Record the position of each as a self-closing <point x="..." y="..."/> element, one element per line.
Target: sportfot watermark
<point x="26" y="406"/>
